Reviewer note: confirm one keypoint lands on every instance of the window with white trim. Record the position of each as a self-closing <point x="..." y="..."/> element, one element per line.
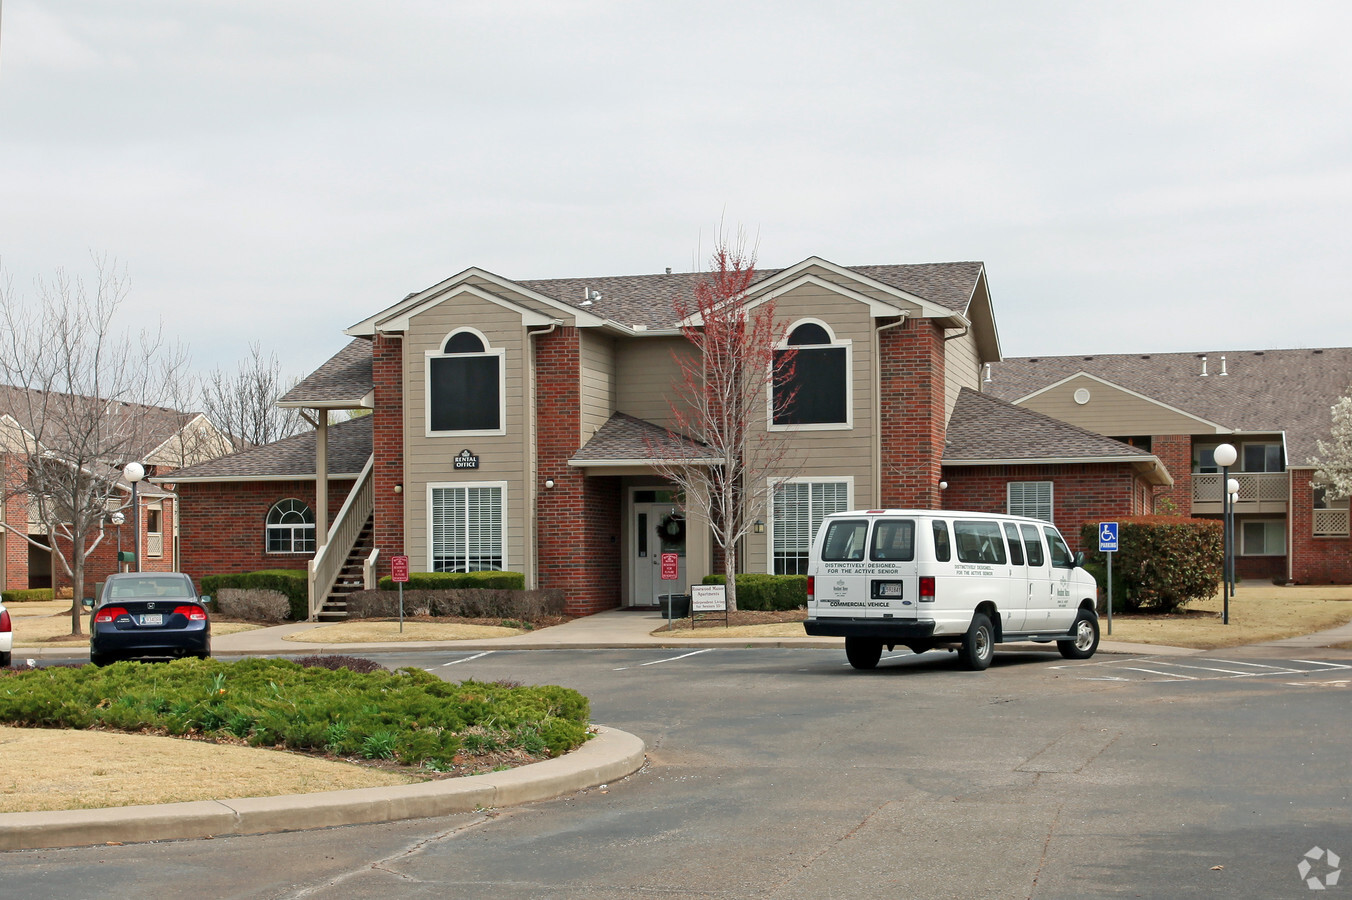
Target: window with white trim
<point x="1030" y="498"/>
<point x="465" y="386"/>
<point x="466" y="533"/>
<point x="1262" y="537"/>
<point x="799" y="507"/>
<point x="290" y="527"/>
<point x="816" y="392"/>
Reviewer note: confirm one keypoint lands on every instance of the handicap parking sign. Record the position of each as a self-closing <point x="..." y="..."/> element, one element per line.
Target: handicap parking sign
<point x="1107" y="537"/>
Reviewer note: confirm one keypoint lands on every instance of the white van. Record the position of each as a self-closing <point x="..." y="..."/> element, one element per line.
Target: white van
<point x="939" y="578"/>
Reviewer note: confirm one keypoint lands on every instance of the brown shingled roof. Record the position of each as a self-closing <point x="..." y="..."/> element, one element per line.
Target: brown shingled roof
<point x="1262" y="390"/>
<point x="349" y="447"/>
<point x="625" y="438"/>
<point x="340" y="383"/>
<point x="984" y="429"/>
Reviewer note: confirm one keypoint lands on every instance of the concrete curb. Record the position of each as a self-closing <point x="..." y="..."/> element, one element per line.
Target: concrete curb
<point x="610" y="755"/>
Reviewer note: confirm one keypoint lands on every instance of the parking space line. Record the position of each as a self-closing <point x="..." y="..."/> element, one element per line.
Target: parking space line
<point x="667" y="660"/>
<point x="1327" y="665"/>
<point x="466" y="659"/>
<point x="1157" y="672"/>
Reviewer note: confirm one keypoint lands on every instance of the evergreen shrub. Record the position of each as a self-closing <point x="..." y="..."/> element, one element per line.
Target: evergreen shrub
<point x="1163" y="562"/>
<point x="767" y="592"/>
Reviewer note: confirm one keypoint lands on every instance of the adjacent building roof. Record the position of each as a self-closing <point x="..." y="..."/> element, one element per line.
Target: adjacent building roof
<point x="344" y="382"/>
<point x="626" y="439"/>
<point x="984" y="430"/>
<point x="1268" y="391"/>
<point x="349" y="447"/>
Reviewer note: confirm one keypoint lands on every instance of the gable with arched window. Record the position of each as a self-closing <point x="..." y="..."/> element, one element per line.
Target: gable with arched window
<point x="464" y="386"/>
<point x="290" y="527"/>
<point x="817" y="393"/>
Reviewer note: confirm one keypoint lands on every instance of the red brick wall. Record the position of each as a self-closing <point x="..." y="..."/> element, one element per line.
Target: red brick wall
<point x="388" y="426"/>
<point x="1080" y="493"/>
<point x="102" y="561"/>
<point x="1175" y="451"/>
<point x="16" y="514"/>
<point x="1314" y="560"/>
<point x="911" y="414"/>
<point x="579" y="518"/>
<point x="221" y="527"/>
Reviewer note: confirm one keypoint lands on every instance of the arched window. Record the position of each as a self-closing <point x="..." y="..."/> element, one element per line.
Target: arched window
<point x="291" y="527"/>
<point x="464" y="386"/>
<point x="817" y="392"/>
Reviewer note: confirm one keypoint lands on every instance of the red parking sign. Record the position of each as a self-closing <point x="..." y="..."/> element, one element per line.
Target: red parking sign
<point x="671" y="567"/>
<point x="399" y="568"/>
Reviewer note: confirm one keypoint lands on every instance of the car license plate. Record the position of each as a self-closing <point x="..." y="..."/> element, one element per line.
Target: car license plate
<point x="152" y="619"/>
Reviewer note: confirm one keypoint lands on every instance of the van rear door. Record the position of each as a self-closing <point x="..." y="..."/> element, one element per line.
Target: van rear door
<point x="840" y="582"/>
<point x="892" y="578"/>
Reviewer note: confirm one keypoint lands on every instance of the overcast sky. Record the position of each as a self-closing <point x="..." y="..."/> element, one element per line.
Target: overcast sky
<point x="1136" y="176"/>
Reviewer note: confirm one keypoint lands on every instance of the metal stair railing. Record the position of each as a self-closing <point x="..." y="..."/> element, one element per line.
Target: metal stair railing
<point x="328" y="563"/>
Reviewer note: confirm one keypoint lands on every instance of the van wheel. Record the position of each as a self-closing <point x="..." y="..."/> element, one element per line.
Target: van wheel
<point x="863" y="653"/>
<point x="978" y="644"/>
<point x="1085" y="638"/>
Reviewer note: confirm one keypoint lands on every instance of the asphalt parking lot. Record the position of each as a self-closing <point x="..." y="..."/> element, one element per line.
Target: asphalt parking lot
<point x="783" y="773"/>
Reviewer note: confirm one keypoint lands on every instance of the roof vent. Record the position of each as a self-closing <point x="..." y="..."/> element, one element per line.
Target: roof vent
<point x="668" y="270"/>
<point x="1317" y="352"/>
<point x="986" y="379"/>
<point x="1223" y="372"/>
<point x="1203" y="366"/>
<point x="589" y="297"/>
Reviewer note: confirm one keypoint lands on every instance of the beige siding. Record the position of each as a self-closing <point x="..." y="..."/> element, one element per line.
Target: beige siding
<point x="1111" y="411"/>
<point x="502" y="458"/>
<point x="520" y="299"/>
<point x="962" y="369"/>
<point x="645" y="371"/>
<point x="832" y="454"/>
<point x="598" y="382"/>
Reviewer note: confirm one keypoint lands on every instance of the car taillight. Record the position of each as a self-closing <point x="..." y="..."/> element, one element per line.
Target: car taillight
<point x="926" y="587"/>
<point x="108" y="613"/>
<point x="4" y="620"/>
<point x="194" y="613"/>
<point x="810" y="587"/>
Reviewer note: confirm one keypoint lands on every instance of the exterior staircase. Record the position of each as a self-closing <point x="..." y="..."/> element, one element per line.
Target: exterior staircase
<point x="351" y="577"/>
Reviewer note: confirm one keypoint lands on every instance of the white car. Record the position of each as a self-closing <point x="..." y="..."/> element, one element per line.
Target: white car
<point x="6" y="637"/>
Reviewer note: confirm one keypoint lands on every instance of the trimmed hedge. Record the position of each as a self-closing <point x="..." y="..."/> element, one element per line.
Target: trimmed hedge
<point x="470" y="603"/>
<point x="766" y="592"/>
<point x="445" y="581"/>
<point x="28" y="595"/>
<point x="293" y="583"/>
<point x="1163" y="561"/>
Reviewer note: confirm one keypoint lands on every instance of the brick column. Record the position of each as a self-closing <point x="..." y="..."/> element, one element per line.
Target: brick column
<point x="911" y="414"/>
<point x="387" y="423"/>
<point x="1175" y="451"/>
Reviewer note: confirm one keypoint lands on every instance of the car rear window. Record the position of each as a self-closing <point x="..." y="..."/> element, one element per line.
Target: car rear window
<point x="150" y="587"/>
<point x="845" y="540"/>
<point x="893" y="540"/>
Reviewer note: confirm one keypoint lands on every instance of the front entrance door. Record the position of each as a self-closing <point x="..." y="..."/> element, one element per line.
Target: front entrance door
<point x="657" y="528"/>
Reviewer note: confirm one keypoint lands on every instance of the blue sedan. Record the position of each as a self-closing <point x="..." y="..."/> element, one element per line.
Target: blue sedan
<point x="142" y="615"/>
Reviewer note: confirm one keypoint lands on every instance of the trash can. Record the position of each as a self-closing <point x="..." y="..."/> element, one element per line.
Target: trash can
<point x="674" y="606"/>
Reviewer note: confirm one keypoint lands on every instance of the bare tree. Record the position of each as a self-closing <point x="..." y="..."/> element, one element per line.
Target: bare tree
<point x="720" y="400"/>
<point x="245" y="403"/>
<point x="80" y="402"/>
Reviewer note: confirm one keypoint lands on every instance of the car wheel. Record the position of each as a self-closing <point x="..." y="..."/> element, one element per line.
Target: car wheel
<point x="100" y="659"/>
<point x="1085" y="637"/>
<point x="978" y="644"/>
<point x="863" y="653"/>
<point x="5" y="659"/>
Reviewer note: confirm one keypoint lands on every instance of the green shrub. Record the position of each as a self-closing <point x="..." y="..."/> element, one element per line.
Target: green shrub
<point x="1163" y="562"/>
<point x="293" y="583"/>
<point x="409" y="715"/>
<point x="767" y="592"/>
<point x="26" y="596"/>
<point x="442" y="581"/>
<point x="469" y="603"/>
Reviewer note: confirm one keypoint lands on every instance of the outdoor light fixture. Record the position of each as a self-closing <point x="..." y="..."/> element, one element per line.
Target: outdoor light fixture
<point x="1225" y="456"/>
<point x="549" y="484"/>
<point x="943" y="485"/>
<point x="759" y="527"/>
<point x="134" y="472"/>
<point x="398" y="488"/>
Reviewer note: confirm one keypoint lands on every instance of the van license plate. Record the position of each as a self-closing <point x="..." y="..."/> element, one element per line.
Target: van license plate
<point x="152" y="619"/>
<point x="887" y="589"/>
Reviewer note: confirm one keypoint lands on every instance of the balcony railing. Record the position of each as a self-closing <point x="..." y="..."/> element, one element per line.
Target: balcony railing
<point x="1259" y="492"/>
<point x="1330" y="523"/>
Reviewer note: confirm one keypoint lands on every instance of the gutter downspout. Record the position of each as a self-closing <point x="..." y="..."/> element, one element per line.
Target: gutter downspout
<point x="877" y="410"/>
<point x="528" y="435"/>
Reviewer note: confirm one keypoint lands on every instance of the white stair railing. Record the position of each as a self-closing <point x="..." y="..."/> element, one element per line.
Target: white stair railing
<point x="328" y="563"/>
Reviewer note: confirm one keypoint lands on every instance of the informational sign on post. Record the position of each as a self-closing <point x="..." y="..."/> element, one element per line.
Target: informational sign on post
<point x="671" y="566"/>
<point x="399" y="574"/>
<point x="708" y="598"/>
<point x="1107" y="532"/>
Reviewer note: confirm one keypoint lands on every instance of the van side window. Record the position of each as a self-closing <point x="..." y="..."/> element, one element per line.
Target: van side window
<point x="1015" y="547"/>
<point x="979" y="542"/>
<point x="943" y="551"/>
<point x="1061" y="557"/>
<point x="1033" y="544"/>
<point x="893" y="540"/>
<point x="845" y="540"/>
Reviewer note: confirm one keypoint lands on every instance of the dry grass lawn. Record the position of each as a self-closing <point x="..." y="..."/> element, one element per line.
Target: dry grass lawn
<point x="386" y="630"/>
<point x="43" y="624"/>
<point x="59" y="769"/>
